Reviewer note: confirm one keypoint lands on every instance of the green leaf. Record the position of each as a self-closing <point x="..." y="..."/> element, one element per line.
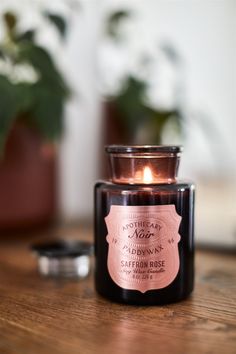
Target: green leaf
<point x="41" y="60"/>
<point x="10" y="21"/>
<point x="15" y="99"/>
<point x="157" y="121"/>
<point x="115" y="17"/>
<point x="136" y="116"/>
<point x="132" y="96"/>
<point x="26" y="36"/>
<point x="130" y="104"/>
<point x="9" y="106"/>
<point x="41" y="103"/>
<point x="24" y="96"/>
<point x="58" y="21"/>
<point x="114" y="21"/>
<point x="47" y="112"/>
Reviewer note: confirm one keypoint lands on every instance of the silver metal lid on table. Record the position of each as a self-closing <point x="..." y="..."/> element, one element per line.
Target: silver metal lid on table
<point x="64" y="258"/>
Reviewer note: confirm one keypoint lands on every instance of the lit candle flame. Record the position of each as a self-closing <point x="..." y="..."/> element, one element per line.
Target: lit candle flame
<point x="147" y="175"/>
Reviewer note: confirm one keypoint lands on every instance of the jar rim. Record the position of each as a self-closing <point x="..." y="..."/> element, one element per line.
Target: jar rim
<point x="122" y="149"/>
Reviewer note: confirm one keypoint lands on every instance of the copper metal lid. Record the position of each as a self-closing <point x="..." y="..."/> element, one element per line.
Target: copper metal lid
<point x="64" y="258"/>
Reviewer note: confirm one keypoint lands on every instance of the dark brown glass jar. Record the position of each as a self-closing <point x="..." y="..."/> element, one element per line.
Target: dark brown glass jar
<point x="144" y="224"/>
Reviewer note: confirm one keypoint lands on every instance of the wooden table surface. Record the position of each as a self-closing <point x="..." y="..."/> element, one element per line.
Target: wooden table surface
<point x="40" y="316"/>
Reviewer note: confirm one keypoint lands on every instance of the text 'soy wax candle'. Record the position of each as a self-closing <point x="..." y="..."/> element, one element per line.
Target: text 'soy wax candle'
<point x="144" y="224"/>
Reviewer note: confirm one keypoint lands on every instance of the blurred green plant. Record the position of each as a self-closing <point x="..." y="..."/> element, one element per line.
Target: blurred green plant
<point x="32" y="89"/>
<point x="130" y="101"/>
<point x="137" y="116"/>
<point x="113" y="22"/>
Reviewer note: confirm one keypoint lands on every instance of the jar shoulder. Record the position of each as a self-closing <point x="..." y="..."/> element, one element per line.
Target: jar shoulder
<point x="180" y="185"/>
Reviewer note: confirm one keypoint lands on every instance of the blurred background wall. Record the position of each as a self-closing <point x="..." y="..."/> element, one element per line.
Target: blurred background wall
<point x="203" y="33"/>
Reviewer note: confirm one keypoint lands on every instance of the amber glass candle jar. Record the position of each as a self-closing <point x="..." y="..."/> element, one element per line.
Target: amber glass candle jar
<point x="144" y="224"/>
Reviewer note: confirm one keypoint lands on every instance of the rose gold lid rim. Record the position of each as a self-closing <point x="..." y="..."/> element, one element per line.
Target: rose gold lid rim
<point x="126" y="149"/>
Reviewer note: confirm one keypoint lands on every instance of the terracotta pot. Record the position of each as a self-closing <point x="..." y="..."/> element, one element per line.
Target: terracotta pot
<point x="113" y="126"/>
<point x="114" y="132"/>
<point x="27" y="181"/>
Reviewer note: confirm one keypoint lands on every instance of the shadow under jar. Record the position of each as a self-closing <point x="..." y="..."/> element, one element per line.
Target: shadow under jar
<point x="144" y="225"/>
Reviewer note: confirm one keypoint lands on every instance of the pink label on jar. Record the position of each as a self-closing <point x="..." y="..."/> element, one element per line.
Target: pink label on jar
<point x="143" y="246"/>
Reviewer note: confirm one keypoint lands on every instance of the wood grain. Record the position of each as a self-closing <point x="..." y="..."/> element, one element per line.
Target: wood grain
<point x="45" y="316"/>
